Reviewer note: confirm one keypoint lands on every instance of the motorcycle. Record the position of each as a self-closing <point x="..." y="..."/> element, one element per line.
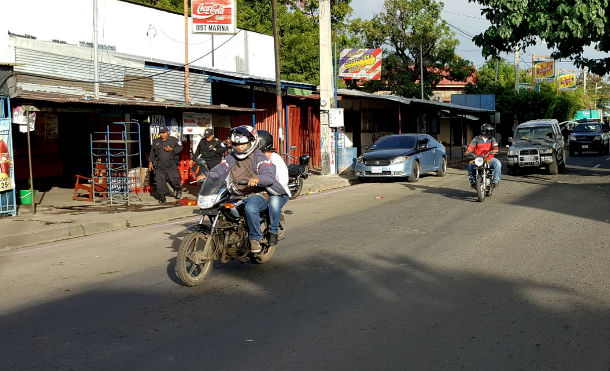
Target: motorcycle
<point x="483" y="176"/>
<point x="297" y="173"/>
<point x="226" y="239"/>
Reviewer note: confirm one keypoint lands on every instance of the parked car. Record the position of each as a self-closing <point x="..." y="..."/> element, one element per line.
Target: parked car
<point x="535" y="144"/>
<point x="402" y="155"/>
<point x="589" y="136"/>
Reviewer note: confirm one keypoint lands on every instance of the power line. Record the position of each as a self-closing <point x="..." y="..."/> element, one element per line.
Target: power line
<point x="463" y="15"/>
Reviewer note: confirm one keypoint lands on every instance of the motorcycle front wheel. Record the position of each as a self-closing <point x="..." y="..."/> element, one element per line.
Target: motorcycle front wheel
<point x="298" y="189"/>
<point x="194" y="262"/>
<point x="480" y="189"/>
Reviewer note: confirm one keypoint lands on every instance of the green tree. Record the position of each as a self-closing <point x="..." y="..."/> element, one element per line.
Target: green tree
<point x="566" y="26"/>
<point x="403" y="26"/>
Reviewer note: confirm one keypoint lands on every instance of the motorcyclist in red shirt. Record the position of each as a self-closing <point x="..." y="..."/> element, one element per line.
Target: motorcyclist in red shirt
<point x="482" y="145"/>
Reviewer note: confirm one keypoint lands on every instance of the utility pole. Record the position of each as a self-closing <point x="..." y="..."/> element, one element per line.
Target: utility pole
<point x="326" y="87"/>
<point x="96" y="69"/>
<point x="585" y="73"/>
<point x="186" y="52"/>
<point x="517" y="68"/>
<point x="421" y="69"/>
<point x="496" y="79"/>
<point x="278" y="81"/>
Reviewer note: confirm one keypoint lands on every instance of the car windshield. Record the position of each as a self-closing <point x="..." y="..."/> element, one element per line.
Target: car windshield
<point x="534" y="133"/>
<point x="588" y="128"/>
<point x="394" y="141"/>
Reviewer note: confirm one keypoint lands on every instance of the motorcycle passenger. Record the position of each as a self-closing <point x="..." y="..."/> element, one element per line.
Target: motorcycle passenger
<point x="246" y="161"/>
<point x="276" y="201"/>
<point x="481" y="145"/>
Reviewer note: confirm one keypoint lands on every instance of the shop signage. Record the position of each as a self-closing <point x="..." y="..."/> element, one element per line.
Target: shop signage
<point x="360" y="64"/>
<point x="567" y="81"/>
<point x="544" y="70"/>
<point x="6" y="164"/>
<point x="195" y="123"/>
<point x="214" y="16"/>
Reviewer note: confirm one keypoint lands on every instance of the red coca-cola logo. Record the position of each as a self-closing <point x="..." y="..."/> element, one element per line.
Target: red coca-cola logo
<point x="210" y="9"/>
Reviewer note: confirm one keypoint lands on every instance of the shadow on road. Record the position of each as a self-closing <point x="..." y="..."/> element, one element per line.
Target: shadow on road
<point x="330" y="312"/>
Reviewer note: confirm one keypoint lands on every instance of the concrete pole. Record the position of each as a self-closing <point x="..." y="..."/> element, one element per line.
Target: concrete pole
<point x="187" y="98"/>
<point x="96" y="68"/>
<point x="326" y="90"/>
<point x="421" y="69"/>
<point x="517" y="68"/>
<point x="585" y="72"/>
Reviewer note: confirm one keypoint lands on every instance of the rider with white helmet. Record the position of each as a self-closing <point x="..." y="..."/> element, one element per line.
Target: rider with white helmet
<point x="246" y="161"/>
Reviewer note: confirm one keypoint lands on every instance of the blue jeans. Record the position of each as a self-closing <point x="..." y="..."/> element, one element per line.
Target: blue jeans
<point x="275" y="211"/>
<point x="494" y="163"/>
<point x="253" y="207"/>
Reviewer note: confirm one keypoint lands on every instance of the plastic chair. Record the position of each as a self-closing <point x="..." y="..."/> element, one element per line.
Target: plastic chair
<point x="88" y="185"/>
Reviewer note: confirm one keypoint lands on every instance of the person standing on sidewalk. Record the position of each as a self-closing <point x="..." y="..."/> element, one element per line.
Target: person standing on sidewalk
<point x="209" y="149"/>
<point x="276" y="200"/>
<point x="164" y="158"/>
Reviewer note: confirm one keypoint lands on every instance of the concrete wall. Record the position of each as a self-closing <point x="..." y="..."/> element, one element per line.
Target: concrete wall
<point x="135" y="30"/>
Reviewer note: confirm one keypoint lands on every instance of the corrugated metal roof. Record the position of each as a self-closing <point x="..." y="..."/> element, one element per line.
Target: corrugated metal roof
<point x="67" y="98"/>
<point x="403" y="100"/>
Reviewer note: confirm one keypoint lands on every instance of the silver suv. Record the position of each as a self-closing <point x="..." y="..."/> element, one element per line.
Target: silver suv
<point x="537" y="143"/>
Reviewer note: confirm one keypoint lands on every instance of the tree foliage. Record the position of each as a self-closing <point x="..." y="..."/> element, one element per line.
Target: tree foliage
<point x="401" y="28"/>
<point x="566" y="26"/>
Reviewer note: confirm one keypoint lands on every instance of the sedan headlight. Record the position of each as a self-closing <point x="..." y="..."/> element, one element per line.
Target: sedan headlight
<point x="359" y="159"/>
<point x="546" y="151"/>
<point x="572" y="137"/>
<point x="597" y="137"/>
<point x="512" y="152"/>
<point x="206" y="201"/>
<point x="399" y="160"/>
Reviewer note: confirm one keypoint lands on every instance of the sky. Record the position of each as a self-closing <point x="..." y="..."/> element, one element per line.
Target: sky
<point x="465" y="20"/>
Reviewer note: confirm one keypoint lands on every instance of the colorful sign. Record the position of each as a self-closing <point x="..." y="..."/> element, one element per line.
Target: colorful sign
<point x="528" y="86"/>
<point x="214" y="16"/>
<point x="544" y="70"/>
<point x="567" y="81"/>
<point x="361" y="64"/>
<point x="7" y="182"/>
<point x="195" y="122"/>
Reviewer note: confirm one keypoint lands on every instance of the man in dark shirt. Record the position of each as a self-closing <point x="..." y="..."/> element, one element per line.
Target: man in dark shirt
<point x="209" y="149"/>
<point x="164" y="158"/>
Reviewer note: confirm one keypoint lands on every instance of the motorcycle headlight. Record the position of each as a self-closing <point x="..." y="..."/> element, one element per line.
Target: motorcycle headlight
<point x="399" y="160"/>
<point x="597" y="137"/>
<point x="206" y="201"/>
<point x="479" y="161"/>
<point x="546" y="151"/>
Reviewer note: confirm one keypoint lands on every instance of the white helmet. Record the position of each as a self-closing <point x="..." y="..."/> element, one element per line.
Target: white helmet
<point x="241" y="135"/>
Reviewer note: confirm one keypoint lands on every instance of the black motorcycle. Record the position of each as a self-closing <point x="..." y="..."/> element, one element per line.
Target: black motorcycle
<point x="483" y="177"/>
<point x="226" y="239"/>
<point x="297" y="173"/>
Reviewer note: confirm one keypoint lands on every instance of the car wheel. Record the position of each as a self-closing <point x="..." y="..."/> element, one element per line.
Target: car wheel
<point x="443" y="169"/>
<point x="414" y="177"/>
<point x="553" y="167"/>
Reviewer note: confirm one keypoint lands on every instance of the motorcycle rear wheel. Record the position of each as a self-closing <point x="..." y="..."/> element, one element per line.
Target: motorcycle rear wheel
<point x="189" y="269"/>
<point x="298" y="189"/>
<point x="480" y="189"/>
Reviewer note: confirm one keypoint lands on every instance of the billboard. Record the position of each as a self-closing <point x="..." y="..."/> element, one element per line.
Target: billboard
<point x="566" y="81"/>
<point x="544" y="70"/>
<point x="360" y="64"/>
<point x="214" y="16"/>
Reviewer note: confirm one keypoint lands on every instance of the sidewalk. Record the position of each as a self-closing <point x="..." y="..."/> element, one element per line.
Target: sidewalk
<point x="58" y="217"/>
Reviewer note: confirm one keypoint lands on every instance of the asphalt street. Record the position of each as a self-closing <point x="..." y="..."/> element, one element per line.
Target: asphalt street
<point x="377" y="276"/>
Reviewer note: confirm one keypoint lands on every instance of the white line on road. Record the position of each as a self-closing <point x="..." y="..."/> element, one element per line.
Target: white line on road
<point x="598" y="165"/>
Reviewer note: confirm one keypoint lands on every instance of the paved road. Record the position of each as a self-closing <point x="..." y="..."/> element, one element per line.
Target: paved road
<point x="388" y="275"/>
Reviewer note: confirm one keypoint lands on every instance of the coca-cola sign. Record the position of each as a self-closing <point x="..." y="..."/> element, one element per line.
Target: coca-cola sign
<point x="213" y="16"/>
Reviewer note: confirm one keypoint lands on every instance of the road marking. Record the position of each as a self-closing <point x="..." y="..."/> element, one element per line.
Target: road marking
<point x="598" y="165"/>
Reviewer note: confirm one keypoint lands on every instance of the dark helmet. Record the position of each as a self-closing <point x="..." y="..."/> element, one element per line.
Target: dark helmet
<point x="265" y="140"/>
<point x="487" y="129"/>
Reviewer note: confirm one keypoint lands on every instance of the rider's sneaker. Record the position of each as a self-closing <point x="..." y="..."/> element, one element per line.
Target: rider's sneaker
<point x="272" y="239"/>
<point x="255" y="246"/>
<point x="495" y="185"/>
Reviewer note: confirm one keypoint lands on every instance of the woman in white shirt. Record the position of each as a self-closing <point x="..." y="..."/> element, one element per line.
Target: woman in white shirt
<point x="276" y="201"/>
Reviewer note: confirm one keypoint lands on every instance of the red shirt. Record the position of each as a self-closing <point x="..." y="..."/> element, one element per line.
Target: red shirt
<point x="482" y="146"/>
